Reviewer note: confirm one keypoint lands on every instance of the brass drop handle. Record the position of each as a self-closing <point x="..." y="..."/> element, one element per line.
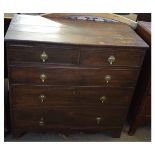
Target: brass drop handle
<point x="41" y="122"/>
<point x="107" y="78"/>
<point x="102" y="99"/>
<point x="44" y="56"/>
<point x="43" y="77"/>
<point x="42" y="98"/>
<point x="111" y="59"/>
<point x="98" y="120"/>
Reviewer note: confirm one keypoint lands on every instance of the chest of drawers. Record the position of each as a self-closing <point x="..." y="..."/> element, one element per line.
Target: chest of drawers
<point x="71" y="76"/>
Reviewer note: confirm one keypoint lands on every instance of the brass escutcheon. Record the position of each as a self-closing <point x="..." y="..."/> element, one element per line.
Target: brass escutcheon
<point x="43" y="77"/>
<point x="111" y="59"/>
<point x="42" y="98"/>
<point x="44" y="56"/>
<point x="98" y="120"/>
<point x="107" y="78"/>
<point x="102" y="99"/>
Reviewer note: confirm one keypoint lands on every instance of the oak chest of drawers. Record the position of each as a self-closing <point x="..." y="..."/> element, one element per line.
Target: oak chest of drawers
<point x="68" y="75"/>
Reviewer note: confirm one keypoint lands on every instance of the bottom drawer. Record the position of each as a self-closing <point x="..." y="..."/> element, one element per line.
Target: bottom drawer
<point x="68" y="117"/>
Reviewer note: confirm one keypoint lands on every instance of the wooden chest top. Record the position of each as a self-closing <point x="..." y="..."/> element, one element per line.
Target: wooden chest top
<point x="40" y="29"/>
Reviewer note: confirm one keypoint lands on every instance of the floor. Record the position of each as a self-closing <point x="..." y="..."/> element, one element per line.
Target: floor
<point x="143" y="134"/>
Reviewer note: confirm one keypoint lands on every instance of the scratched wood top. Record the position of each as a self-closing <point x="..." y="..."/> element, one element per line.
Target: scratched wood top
<point x="41" y="29"/>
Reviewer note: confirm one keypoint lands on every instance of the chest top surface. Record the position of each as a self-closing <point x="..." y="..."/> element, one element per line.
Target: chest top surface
<point x="40" y="29"/>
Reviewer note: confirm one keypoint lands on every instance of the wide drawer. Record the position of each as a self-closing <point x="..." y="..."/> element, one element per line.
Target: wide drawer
<point x="70" y="96"/>
<point x="111" y="57"/>
<point x="74" y="76"/>
<point x="56" y="54"/>
<point x="68" y="117"/>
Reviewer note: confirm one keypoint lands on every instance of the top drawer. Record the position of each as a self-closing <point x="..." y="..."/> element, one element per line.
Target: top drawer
<point x="73" y="55"/>
<point x="56" y="54"/>
<point x="111" y="57"/>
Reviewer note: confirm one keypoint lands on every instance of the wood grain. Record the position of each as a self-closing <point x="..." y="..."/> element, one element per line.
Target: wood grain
<point x="67" y="117"/>
<point x="71" y="32"/>
<point x="82" y="76"/>
<point x="57" y="54"/>
<point x="74" y="55"/>
<point x="74" y="96"/>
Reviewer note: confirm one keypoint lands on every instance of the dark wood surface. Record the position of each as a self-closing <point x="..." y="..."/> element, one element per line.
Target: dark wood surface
<point x="26" y="53"/>
<point x="76" y="67"/>
<point x="6" y="91"/>
<point x="140" y="109"/>
<point x="70" y="96"/>
<point x="83" y="76"/>
<point x="71" y="55"/>
<point x="36" y="28"/>
<point x="99" y="56"/>
<point x="67" y="117"/>
<point x="6" y="108"/>
<point x="6" y="25"/>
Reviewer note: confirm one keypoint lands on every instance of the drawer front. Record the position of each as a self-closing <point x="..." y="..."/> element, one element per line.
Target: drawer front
<point x="27" y="117"/>
<point x="42" y="95"/>
<point x="38" y="54"/>
<point x="70" y="96"/>
<point x="85" y="117"/>
<point x="68" y="117"/>
<point x="111" y="57"/>
<point x="104" y="96"/>
<point x="74" y="76"/>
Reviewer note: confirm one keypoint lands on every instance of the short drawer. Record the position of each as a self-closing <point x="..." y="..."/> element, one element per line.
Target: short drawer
<point x="111" y="57"/>
<point x="74" y="76"/>
<point x="70" y="96"/>
<point x="56" y="54"/>
<point x="68" y="117"/>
